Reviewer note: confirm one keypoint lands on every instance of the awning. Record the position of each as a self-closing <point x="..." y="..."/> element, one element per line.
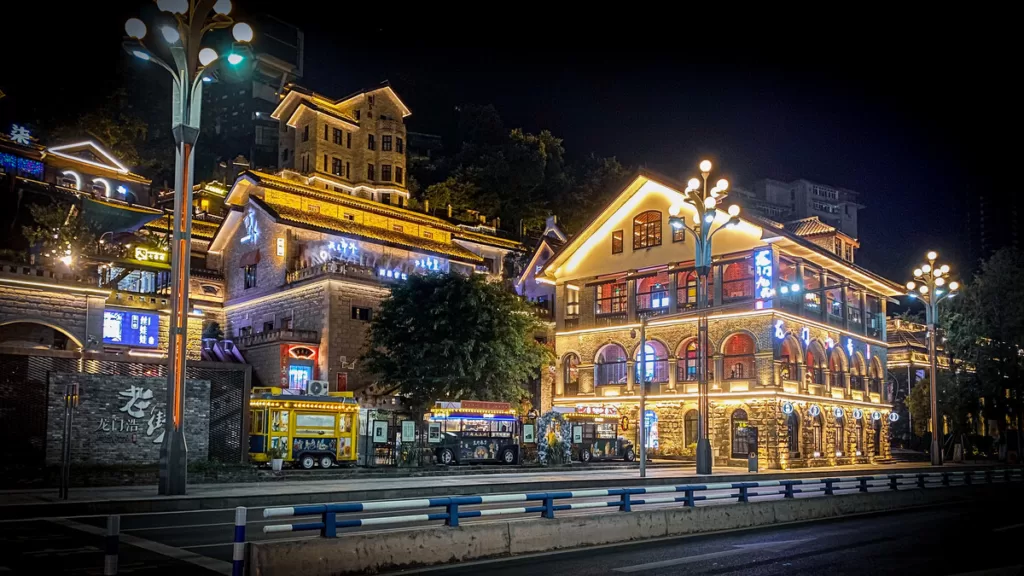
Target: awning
<point x="249" y="258"/>
<point x="100" y="216"/>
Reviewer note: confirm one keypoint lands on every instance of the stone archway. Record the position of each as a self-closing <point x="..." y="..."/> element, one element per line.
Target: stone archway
<point x="37" y="334"/>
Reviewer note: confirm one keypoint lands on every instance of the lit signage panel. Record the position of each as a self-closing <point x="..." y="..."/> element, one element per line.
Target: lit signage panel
<point x="129" y="328"/>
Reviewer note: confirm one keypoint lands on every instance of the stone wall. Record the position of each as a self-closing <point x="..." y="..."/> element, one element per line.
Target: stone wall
<point x="76" y="313"/>
<point x="121" y="419"/>
<point x="346" y="336"/>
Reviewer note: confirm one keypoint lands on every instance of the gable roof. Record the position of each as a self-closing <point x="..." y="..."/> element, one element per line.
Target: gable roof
<point x="771" y="232"/>
<point x="543" y="247"/>
<point x="100" y="158"/>
<point x="329" y="105"/>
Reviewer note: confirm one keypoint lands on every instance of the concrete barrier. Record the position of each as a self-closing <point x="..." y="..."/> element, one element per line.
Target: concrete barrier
<point x="370" y="553"/>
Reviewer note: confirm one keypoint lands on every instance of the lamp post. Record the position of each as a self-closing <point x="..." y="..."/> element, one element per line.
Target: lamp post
<point x="183" y="24"/>
<point x="931" y="288"/>
<point x="642" y="420"/>
<point x="705" y="202"/>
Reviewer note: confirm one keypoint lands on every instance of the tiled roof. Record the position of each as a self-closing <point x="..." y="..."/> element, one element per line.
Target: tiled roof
<point x="336" y="225"/>
<point x="201" y="229"/>
<point x="809" y="227"/>
<point x="488" y="239"/>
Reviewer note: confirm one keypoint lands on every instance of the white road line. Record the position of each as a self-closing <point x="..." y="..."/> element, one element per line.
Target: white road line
<point x="213" y="564"/>
<point x="1005" y="528"/>
<point x="737" y="549"/>
<point x="1005" y="571"/>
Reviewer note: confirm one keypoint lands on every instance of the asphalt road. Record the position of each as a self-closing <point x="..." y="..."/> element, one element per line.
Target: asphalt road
<point x="201" y="540"/>
<point x="975" y="540"/>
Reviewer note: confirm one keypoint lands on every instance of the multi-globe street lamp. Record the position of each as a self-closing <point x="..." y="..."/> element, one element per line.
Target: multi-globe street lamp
<point x="705" y="201"/>
<point x="183" y="26"/>
<point x="932" y="286"/>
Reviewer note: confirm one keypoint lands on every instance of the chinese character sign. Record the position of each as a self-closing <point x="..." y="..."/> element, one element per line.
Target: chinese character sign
<point x="763" y="275"/>
<point x="129" y="328"/>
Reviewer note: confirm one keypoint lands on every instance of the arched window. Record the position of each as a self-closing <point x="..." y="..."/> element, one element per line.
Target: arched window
<point x="610" y="366"/>
<point x="875" y="382"/>
<point x="740" y="445"/>
<point x="793" y="434"/>
<point x="817" y="439"/>
<point x="836" y="368"/>
<point x="789" y="354"/>
<point x="815" y="363"/>
<point x="739" y="357"/>
<point x="655" y="363"/>
<point x="738" y="280"/>
<point x="857" y="373"/>
<point x="687" y="362"/>
<point x="690" y="427"/>
<point x="571" y="375"/>
<point x="647" y="230"/>
<point x="840" y="437"/>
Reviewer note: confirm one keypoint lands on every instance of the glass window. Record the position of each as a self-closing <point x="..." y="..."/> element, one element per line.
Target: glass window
<point x="610" y="366"/>
<point x="370" y="172"/>
<point x="652" y="292"/>
<point x="279" y="420"/>
<point x="398" y="174"/>
<point x="687" y="366"/>
<point x="336" y="167"/>
<point x="399" y="146"/>
<point x="690" y="427"/>
<point x="348" y="140"/>
<point x="612" y="298"/>
<point x="385" y="143"/>
<point x="816" y="436"/>
<point x="738" y="280"/>
<point x="474" y="427"/>
<point x="338" y="136"/>
<point x="840" y="437"/>
<point x="655" y="363"/>
<point x="606" y="430"/>
<point x="740" y="446"/>
<point x="793" y="434"/>
<point x="258" y="421"/>
<point x="571" y="375"/>
<point x="305" y="133"/>
<point x="385" y="172"/>
<point x="739" y="357"/>
<point x="314" y="420"/>
<point x="249" y="276"/>
<point x="371" y="142"/>
<point x="617" y="242"/>
<point x="647" y="230"/>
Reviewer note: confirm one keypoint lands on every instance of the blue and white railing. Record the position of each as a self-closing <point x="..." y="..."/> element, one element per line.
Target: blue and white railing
<point x="547" y="503"/>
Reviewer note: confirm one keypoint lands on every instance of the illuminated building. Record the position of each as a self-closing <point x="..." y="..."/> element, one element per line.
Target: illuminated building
<point x="797" y="332"/>
<point x="786" y="201"/>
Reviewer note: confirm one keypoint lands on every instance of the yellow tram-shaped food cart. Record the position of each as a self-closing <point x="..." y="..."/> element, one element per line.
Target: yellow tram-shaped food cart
<point x="308" y="430"/>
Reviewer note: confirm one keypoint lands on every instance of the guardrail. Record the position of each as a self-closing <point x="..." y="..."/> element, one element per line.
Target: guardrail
<point x="546" y="505"/>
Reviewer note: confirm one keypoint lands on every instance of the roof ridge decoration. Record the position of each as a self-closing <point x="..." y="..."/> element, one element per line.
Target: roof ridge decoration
<point x="63" y="151"/>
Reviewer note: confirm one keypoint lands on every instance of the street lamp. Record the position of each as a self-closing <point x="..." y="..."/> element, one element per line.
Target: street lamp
<point x="932" y="287"/>
<point x="184" y="23"/>
<point x="705" y="201"/>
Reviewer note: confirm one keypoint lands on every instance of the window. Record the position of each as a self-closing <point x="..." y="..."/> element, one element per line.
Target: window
<point x="815" y="364"/>
<point x="397" y="228"/>
<point x="740" y="426"/>
<point x="371" y="142"/>
<point x="571" y="375"/>
<point x="385" y="143"/>
<point x="848" y="253"/>
<point x="325" y="162"/>
<point x="361" y="314"/>
<point x="385" y="172"/>
<point x="284" y="155"/>
<point x="816" y="436"/>
<point x="489" y="265"/>
<point x="428" y="235"/>
<point x="860" y="437"/>
<point x="837" y="246"/>
<point x="678" y="235"/>
<point x="348" y="140"/>
<point x="348" y="170"/>
<point x="385" y="198"/>
<point x="738" y="359"/>
<point x="250" y="276"/>
<point x="313" y="208"/>
<point x="647" y="230"/>
<point x="688" y="369"/>
<point x="349" y="217"/>
<point x="369" y="172"/>
<point x="286" y="323"/>
<point x="268" y="326"/>
<point x="655" y="363"/>
<point x="325" y="131"/>
<point x="652" y="293"/>
<point x="840" y="437"/>
<point x="793" y="435"/>
<point x="336" y="167"/>
<point x="338" y="134"/>
<point x="572" y="303"/>
<point x="610" y="366"/>
<point x="690" y="428"/>
<point x="738" y="281"/>
<point x="823" y="192"/>
<point x="358" y="114"/>
<point x="612" y="298"/>
<point x="398" y="174"/>
<point x="617" y="242"/>
<point x="305" y="133"/>
<point x="399" y="146"/>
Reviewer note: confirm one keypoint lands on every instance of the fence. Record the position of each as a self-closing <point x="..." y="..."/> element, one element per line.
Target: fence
<point x="544" y="503"/>
<point x="24" y="385"/>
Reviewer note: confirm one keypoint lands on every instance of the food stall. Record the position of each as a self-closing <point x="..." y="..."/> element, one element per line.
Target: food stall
<point x="474" y="432"/>
<point x="307" y="430"/>
<point x="597" y="434"/>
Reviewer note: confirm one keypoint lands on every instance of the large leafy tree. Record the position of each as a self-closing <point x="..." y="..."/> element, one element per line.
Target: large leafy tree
<point x="447" y="336"/>
<point x="58" y="232"/>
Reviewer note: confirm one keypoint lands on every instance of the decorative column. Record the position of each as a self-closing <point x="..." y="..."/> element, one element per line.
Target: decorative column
<point x="630" y="376"/>
<point x="846" y="310"/>
<point x="673" y="291"/>
<point x="673" y="366"/>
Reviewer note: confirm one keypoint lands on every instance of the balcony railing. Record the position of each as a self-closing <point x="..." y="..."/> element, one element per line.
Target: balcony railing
<point x="611" y="319"/>
<point x="329" y="268"/>
<point x="789" y="371"/>
<point x="572" y="322"/>
<point x="611" y="373"/>
<point x="283" y="335"/>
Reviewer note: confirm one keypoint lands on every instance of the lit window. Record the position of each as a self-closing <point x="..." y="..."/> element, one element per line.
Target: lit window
<point x="647" y="230"/>
<point x="617" y="242"/>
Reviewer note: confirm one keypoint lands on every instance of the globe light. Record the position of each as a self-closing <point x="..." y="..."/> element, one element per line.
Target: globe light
<point x="795" y="287"/>
<point x="135" y="28"/>
<point x="926" y="268"/>
<point x="693" y="184"/>
<point x="170" y="34"/>
<point x="911" y="285"/>
<point x="709" y="217"/>
<point x="932" y="255"/>
<point x="714" y="192"/>
<point x="242" y="32"/>
<point x="235" y="59"/>
<point x="954" y="285"/>
<point x="945" y="268"/>
<point x="917" y="272"/>
<point x="673" y="210"/>
<point x="696" y="218"/>
<point x="734" y="210"/>
<point x="723" y="184"/>
<point x="923" y="289"/>
<point x="940" y="281"/>
<point x="222" y="7"/>
<point x="140" y="54"/>
<point x="709" y="202"/>
<point x="937" y="272"/>
<point x="705" y="166"/>
<point x="207" y="56"/>
<point x="172" y="6"/>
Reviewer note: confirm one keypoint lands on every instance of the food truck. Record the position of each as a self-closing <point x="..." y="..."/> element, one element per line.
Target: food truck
<point x="473" y="432"/>
<point x="597" y="434"/>
<point x="309" y="430"/>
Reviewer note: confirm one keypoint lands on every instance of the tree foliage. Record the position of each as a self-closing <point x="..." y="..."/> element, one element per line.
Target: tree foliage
<point x="446" y="336"/>
<point x="59" y="231"/>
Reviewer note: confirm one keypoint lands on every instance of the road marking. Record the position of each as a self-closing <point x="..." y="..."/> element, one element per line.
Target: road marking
<point x="1005" y="571"/>
<point x="736" y="549"/>
<point x="1005" y="528"/>
<point x="213" y="564"/>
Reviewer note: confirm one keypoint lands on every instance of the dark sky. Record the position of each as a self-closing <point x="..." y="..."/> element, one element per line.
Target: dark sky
<point x="908" y="115"/>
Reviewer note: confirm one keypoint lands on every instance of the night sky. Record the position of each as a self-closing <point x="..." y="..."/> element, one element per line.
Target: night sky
<point x="909" y="119"/>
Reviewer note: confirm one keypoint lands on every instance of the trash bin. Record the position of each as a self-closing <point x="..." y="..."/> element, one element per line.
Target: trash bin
<point x="751" y="449"/>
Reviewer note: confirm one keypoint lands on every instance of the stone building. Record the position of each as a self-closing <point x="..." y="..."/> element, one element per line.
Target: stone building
<point x="797" y="334"/>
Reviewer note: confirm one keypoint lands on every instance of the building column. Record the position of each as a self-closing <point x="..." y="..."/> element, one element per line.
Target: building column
<point x="673" y="291"/>
<point x="586" y="379"/>
<point x="673" y="365"/>
<point x="716" y="275"/>
<point x="827" y="375"/>
<point x="846" y="310"/>
<point x="719" y="362"/>
<point x="631" y="300"/>
<point x="559" y="378"/>
<point x="801" y="375"/>
<point x="630" y="376"/>
<point x="765" y="367"/>
<point x="862" y="296"/>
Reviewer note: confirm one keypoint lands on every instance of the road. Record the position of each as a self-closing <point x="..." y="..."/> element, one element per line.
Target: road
<point x="961" y="540"/>
<point x="199" y="540"/>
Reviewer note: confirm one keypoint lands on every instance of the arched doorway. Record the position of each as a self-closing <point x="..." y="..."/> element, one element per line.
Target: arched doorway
<point x="655" y="364"/>
<point x="36" y="335"/>
<point x="858" y="373"/>
<point x="739" y="427"/>
<point x="738" y="357"/>
<point x="836" y="368"/>
<point x="570" y="375"/>
<point x="793" y="435"/>
<point x="687" y="366"/>
<point x="789" y="354"/>
<point x="815" y="362"/>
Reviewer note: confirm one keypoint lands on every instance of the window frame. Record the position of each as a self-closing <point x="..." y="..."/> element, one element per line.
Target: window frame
<point x="249" y="276"/>
<point x="385" y="143"/>
<point x="617" y="241"/>
<point x="647" y="231"/>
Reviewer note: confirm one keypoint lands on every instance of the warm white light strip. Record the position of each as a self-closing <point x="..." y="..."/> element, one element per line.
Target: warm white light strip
<point x="73" y="174"/>
<point x="106" y="185"/>
<point x="56" y="151"/>
<point x="594" y="330"/>
<point x="545" y="281"/>
<point x="146" y="354"/>
<point x="274" y="296"/>
<point x="573" y="287"/>
<point x="752" y="396"/>
<point x="57" y="287"/>
<point x="348" y="188"/>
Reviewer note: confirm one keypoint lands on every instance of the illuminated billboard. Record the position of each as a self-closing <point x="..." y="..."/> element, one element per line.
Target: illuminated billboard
<point x="129" y="328"/>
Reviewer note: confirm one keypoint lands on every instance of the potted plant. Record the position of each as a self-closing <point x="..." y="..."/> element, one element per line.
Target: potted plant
<point x="276" y="458"/>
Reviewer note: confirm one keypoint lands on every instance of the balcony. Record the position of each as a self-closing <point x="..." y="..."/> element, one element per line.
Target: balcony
<point x="389" y="126"/>
<point x="276" y="336"/>
<point x="332" y="269"/>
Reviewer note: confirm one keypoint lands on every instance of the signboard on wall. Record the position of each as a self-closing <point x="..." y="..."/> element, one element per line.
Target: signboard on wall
<point x="342" y="382"/>
<point x="130" y="328"/>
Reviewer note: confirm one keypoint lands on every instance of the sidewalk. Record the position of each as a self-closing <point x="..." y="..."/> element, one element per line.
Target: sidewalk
<point x="140" y="499"/>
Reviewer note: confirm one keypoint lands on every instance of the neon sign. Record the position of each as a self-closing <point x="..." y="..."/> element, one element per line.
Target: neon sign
<point x="849" y="346"/>
<point x="597" y="410"/>
<point x="252" y="229"/>
<point x="830" y="342"/>
<point x="763" y="274"/>
<point x="805" y="335"/>
<point x="346" y="247"/>
<point x="779" y="333"/>
<point x="20" y="135"/>
<point x="396" y="274"/>
<point x="431" y="264"/>
<point x="147" y="255"/>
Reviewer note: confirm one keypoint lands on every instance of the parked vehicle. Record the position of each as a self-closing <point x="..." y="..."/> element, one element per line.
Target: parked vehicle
<point x="474" y="432"/>
<point x="305" y="430"/>
<point x="597" y="434"/>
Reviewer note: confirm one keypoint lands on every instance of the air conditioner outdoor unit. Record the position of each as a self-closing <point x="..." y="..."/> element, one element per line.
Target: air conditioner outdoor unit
<point x="318" y="388"/>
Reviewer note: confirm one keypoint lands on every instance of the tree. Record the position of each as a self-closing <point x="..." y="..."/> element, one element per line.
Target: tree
<point x="447" y="336"/>
<point x="958" y="401"/>
<point x="458" y="193"/>
<point x="59" y="232"/>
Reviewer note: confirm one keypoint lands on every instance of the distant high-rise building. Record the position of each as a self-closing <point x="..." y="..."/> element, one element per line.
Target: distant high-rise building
<point x="787" y="201"/>
<point x="993" y="221"/>
<point x="239" y="105"/>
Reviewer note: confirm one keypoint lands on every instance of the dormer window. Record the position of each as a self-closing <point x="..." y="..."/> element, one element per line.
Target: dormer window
<point x="647" y="230"/>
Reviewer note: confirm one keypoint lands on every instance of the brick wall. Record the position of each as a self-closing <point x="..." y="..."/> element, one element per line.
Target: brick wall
<point x="347" y="336"/>
<point x="118" y="422"/>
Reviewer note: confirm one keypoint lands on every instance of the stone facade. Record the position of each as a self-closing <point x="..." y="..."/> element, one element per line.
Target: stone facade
<point x="120" y="419"/>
